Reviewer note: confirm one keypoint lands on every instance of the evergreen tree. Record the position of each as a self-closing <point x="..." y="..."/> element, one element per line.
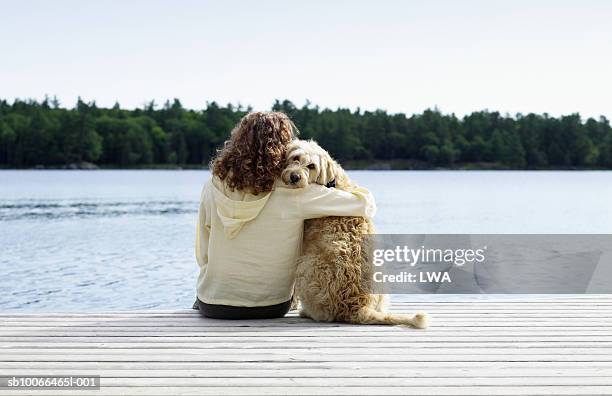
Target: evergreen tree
<point x="44" y="133"/>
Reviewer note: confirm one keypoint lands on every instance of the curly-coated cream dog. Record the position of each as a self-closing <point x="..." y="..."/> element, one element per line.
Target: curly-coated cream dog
<point x="334" y="272"/>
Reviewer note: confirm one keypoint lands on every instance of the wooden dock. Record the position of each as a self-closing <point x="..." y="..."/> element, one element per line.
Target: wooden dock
<point x="543" y="346"/>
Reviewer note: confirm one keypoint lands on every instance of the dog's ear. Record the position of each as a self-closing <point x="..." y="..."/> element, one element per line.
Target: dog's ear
<point x="327" y="171"/>
<point x="332" y="170"/>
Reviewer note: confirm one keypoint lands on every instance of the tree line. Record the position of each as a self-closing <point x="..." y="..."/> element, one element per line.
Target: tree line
<point x="44" y="133"/>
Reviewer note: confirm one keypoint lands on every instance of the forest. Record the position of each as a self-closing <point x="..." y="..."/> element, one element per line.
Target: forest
<point x="45" y="134"/>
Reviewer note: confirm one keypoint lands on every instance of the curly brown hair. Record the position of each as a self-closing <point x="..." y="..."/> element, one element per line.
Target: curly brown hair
<point x="254" y="155"/>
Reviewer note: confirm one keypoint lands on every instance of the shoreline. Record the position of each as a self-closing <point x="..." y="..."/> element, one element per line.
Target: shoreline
<point x="391" y="165"/>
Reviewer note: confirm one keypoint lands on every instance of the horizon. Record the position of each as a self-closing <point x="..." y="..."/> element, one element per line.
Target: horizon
<point x="403" y="57"/>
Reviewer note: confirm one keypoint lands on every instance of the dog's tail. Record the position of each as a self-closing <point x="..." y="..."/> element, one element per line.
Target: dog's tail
<point x="369" y="315"/>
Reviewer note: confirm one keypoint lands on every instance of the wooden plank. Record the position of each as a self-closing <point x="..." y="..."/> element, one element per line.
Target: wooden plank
<point x="311" y="356"/>
<point x="259" y="332"/>
<point x="348" y="390"/>
<point x="418" y="300"/>
<point x="600" y="303"/>
<point x="439" y="310"/>
<point x="297" y="382"/>
<point x="197" y="322"/>
<point x="304" y="350"/>
<point x="436" y="323"/>
<point x="338" y="343"/>
<point x="236" y="326"/>
<point x="304" y="324"/>
<point x="490" y="313"/>
<point x="543" y="304"/>
<point x="203" y="339"/>
<point x="204" y="365"/>
<point x="461" y="310"/>
<point x="450" y="311"/>
<point x="396" y="371"/>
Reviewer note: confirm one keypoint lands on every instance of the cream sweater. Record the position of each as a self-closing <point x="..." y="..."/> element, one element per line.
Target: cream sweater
<point x="247" y="245"/>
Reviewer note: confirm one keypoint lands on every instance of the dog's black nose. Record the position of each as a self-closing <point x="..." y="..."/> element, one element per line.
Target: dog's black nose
<point x="294" y="178"/>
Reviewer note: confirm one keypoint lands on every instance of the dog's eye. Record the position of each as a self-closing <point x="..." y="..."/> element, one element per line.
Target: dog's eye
<point x="296" y="158"/>
<point x="311" y="166"/>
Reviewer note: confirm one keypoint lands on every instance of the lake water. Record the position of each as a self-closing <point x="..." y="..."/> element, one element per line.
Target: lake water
<point x="100" y="240"/>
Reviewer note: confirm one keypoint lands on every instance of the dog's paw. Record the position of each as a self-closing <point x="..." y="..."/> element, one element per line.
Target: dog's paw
<point x="421" y="320"/>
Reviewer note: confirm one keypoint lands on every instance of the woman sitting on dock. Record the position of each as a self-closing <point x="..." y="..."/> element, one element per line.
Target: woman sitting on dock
<point x="249" y="229"/>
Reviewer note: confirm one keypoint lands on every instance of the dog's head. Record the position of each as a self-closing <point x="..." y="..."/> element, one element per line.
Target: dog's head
<point x="307" y="162"/>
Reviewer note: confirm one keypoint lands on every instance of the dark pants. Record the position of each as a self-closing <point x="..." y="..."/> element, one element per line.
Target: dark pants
<point x="215" y="311"/>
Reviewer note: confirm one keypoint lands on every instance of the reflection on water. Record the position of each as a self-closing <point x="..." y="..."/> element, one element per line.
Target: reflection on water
<point x="83" y="240"/>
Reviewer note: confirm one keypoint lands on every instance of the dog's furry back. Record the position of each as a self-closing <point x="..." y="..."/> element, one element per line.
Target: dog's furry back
<point x="334" y="272"/>
<point x="331" y="280"/>
<point x="334" y="275"/>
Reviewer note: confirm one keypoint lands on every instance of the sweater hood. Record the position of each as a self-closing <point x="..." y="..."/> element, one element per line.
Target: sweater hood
<point x="235" y="208"/>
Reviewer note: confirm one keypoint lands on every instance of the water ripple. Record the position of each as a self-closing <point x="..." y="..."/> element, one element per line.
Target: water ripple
<point x="50" y="210"/>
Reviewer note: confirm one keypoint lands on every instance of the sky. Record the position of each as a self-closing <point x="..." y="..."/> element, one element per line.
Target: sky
<point x="401" y="56"/>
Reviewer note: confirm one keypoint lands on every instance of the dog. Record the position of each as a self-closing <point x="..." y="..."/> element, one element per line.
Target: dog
<point x="334" y="271"/>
